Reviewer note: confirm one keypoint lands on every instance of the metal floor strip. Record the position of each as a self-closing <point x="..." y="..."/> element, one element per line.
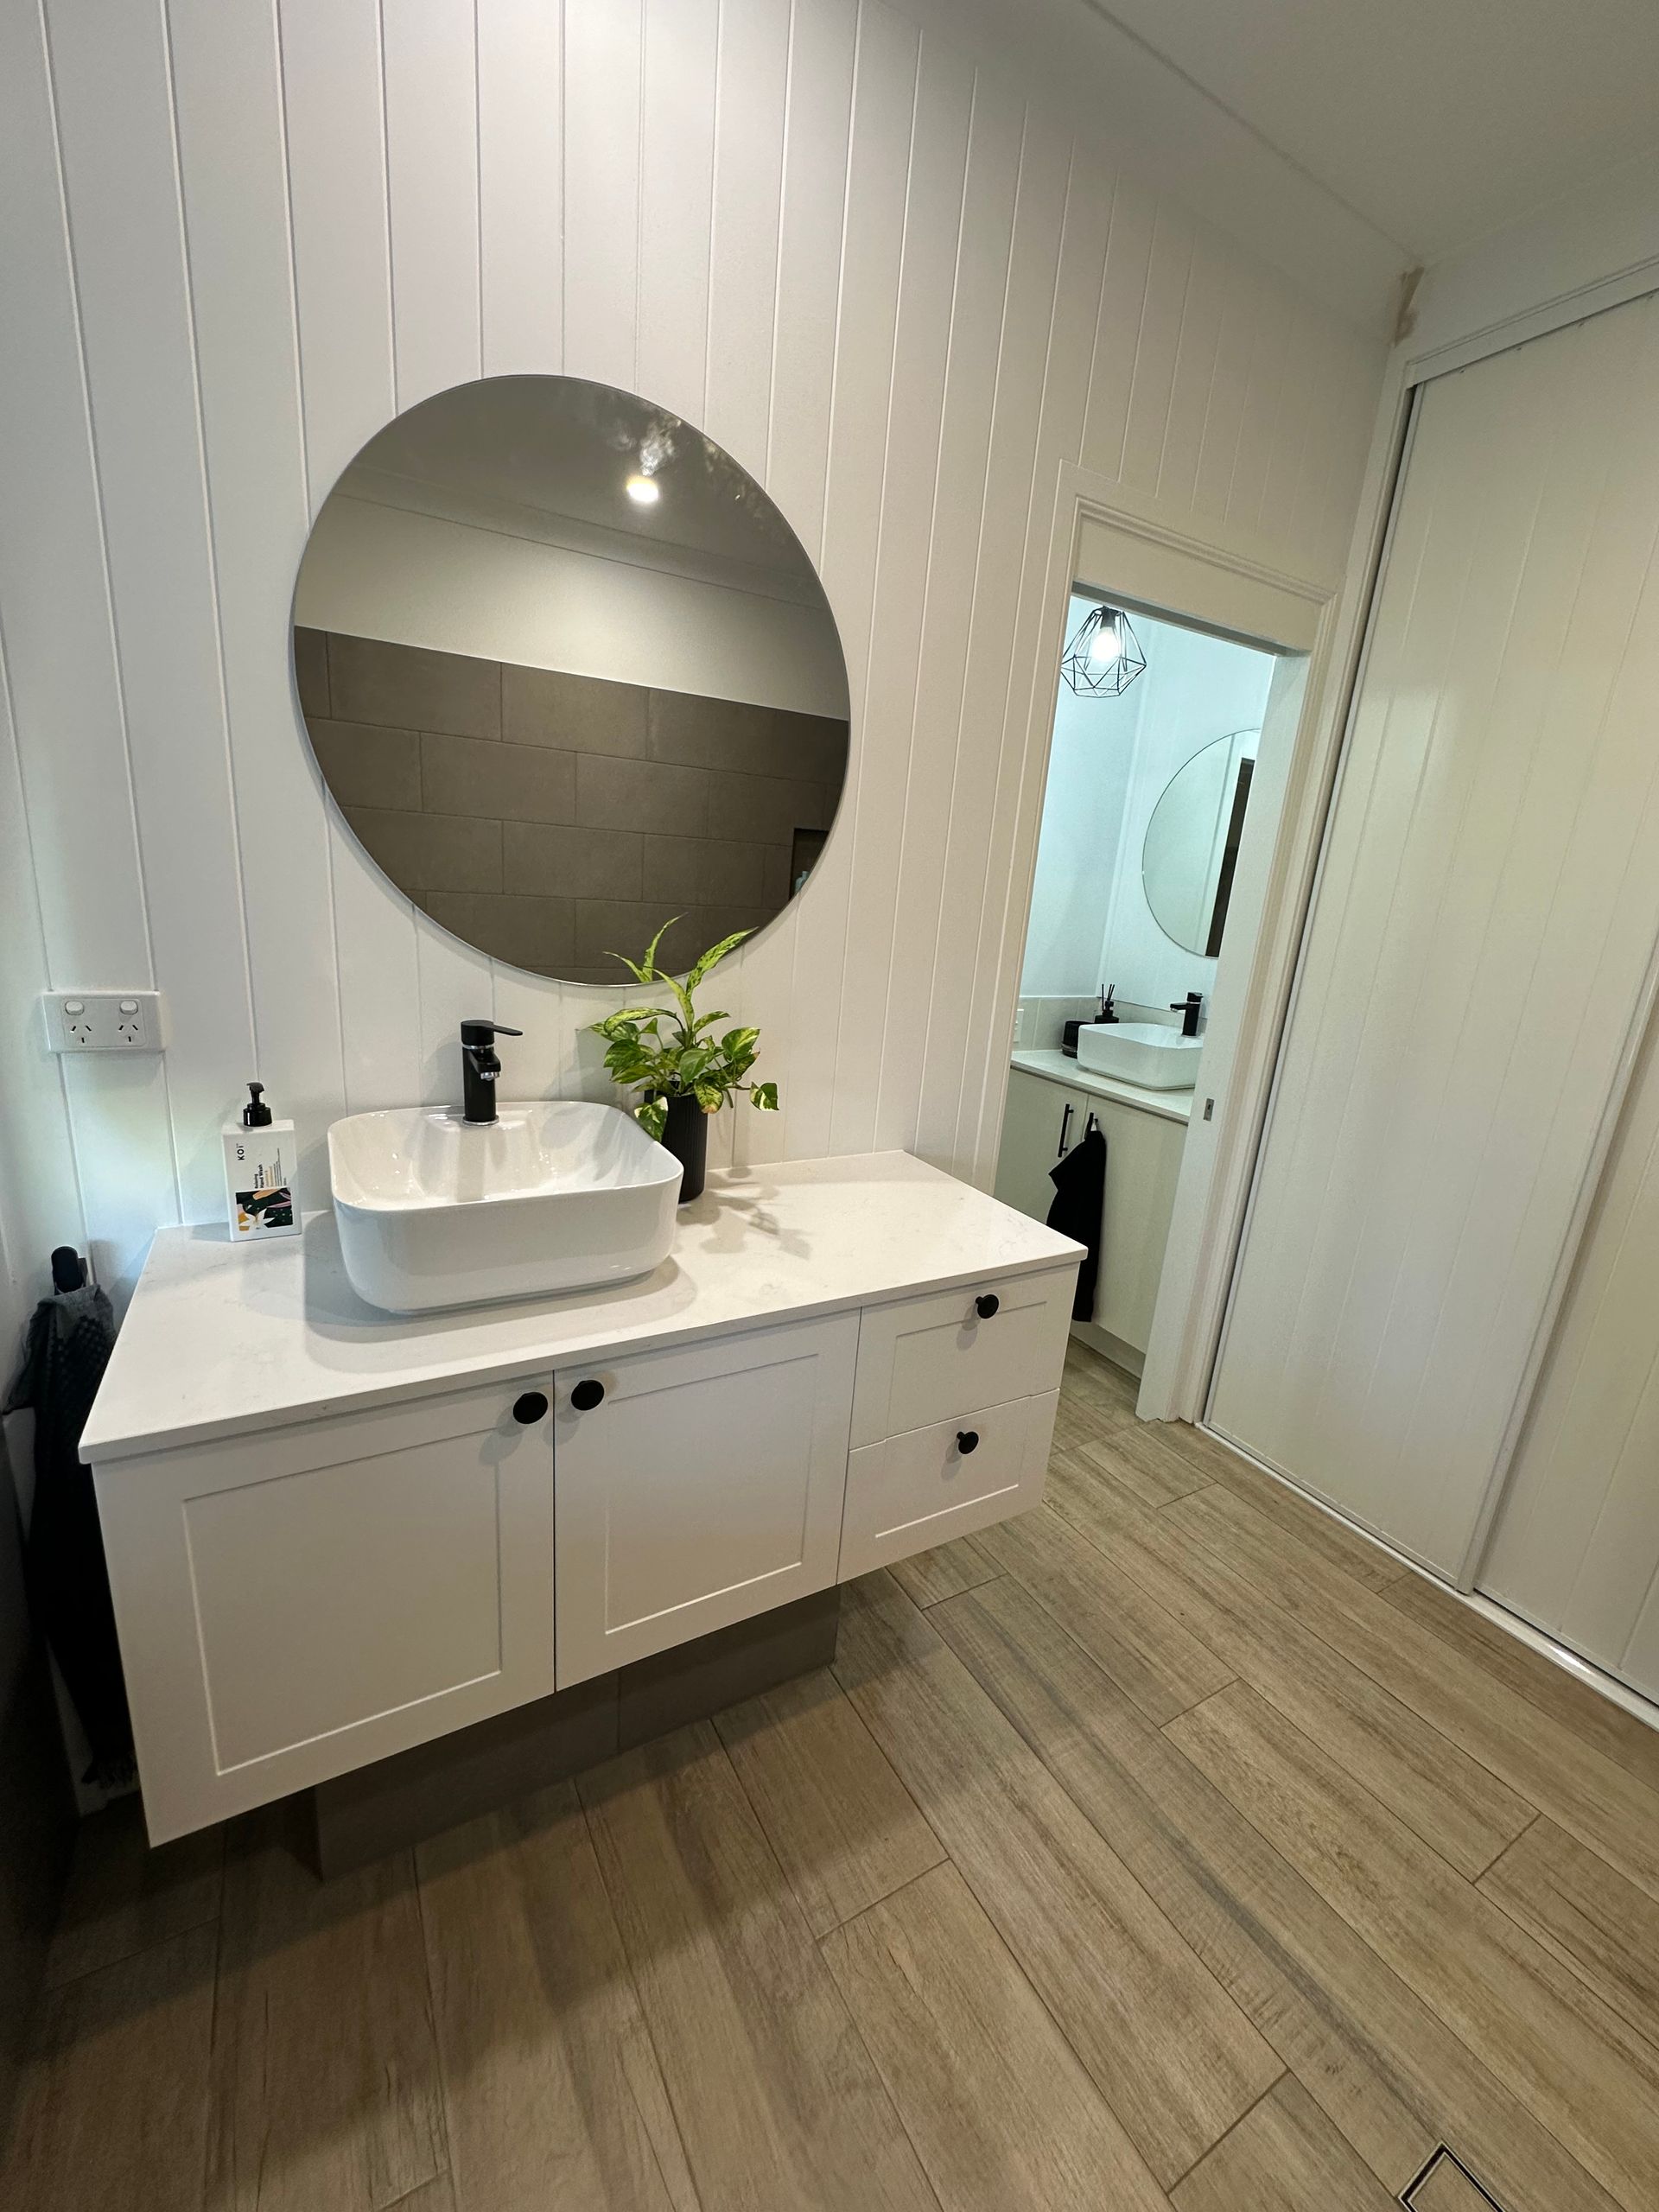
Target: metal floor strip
<point x="1442" y="2157"/>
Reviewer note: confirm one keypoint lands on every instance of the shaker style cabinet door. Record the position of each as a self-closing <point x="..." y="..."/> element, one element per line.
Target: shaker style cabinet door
<point x="298" y="1603"/>
<point x="698" y="1487"/>
<point x="1143" y="1165"/>
<point x="1040" y="1120"/>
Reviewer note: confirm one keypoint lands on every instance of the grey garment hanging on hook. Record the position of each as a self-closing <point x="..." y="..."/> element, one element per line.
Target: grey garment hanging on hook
<point x="1079" y="1181"/>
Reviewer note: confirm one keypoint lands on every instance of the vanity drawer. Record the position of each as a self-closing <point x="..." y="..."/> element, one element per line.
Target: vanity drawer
<point x="922" y="1360"/>
<point x="911" y="1492"/>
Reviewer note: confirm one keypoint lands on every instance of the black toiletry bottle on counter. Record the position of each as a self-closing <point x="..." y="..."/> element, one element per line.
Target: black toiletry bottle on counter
<point x="1069" y="1029"/>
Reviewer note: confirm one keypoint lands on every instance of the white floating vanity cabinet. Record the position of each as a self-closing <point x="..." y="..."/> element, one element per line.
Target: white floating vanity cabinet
<point x="333" y="1535"/>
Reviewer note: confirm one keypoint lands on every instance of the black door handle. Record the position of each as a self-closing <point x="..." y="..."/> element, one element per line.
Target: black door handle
<point x="587" y="1395"/>
<point x="1066" y="1123"/>
<point x="529" y="1408"/>
<point x="967" y="1440"/>
<point x="986" y="1304"/>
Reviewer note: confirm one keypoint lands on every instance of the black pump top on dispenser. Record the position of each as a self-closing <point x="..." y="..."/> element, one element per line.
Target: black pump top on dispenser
<point x="256" y="1115"/>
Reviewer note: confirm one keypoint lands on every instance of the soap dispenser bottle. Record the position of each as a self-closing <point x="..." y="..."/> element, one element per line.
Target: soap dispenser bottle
<point x="259" y="1173"/>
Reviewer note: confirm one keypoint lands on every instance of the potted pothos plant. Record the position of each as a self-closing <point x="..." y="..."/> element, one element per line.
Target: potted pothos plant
<point x="683" y="1071"/>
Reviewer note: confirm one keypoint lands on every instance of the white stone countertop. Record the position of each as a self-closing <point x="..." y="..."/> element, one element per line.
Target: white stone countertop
<point x="223" y="1338"/>
<point x="1051" y="1061"/>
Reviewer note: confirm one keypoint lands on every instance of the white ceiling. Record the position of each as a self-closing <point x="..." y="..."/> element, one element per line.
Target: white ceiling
<point x="1435" y="121"/>
<point x="1344" y="141"/>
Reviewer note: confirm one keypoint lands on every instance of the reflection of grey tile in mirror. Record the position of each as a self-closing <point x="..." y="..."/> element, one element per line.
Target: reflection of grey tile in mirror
<point x="1191" y="843"/>
<point x="568" y="673"/>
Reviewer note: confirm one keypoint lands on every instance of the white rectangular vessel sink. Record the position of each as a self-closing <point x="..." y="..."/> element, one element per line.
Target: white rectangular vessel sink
<point x="1145" y="1053"/>
<point x="556" y="1195"/>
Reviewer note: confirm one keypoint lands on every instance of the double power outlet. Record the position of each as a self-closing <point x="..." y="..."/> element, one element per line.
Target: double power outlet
<point x="103" y="1022"/>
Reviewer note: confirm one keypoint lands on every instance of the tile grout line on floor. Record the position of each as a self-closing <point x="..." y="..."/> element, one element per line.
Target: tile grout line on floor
<point x="1272" y="2089"/>
<point x="1347" y="1658"/>
<point x="641" y="2009"/>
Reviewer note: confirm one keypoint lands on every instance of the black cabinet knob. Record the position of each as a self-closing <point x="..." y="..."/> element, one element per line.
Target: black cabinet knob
<point x="529" y="1408"/>
<point x="967" y="1440"/>
<point x="987" y="1304"/>
<point x="587" y="1395"/>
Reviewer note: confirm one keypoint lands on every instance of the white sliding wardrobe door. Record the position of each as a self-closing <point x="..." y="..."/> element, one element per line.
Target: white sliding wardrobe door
<point x="1484" y="920"/>
<point x="1576" y="1548"/>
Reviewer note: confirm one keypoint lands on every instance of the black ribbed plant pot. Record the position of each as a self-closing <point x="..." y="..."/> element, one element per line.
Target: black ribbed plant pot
<point x="685" y="1134"/>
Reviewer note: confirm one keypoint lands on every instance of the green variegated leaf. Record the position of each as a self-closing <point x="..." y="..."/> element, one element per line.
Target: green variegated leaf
<point x="712" y="959"/>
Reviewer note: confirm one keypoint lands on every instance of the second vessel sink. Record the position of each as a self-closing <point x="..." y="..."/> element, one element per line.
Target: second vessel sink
<point x="1145" y="1053"/>
<point x="554" y="1195"/>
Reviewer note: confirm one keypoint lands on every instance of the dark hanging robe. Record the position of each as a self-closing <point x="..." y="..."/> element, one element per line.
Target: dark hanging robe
<point x="1079" y="1181"/>
<point x="65" y="1354"/>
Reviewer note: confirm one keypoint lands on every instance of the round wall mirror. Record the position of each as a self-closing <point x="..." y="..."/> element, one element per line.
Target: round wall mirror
<point x="1191" y="843"/>
<point x="570" y="674"/>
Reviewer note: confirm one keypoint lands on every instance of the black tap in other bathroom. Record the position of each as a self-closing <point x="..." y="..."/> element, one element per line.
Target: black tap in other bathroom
<point x="479" y="1067"/>
<point x="1189" y="1008"/>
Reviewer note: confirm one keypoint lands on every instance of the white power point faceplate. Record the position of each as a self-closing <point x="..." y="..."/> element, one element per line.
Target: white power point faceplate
<point x="103" y="1022"/>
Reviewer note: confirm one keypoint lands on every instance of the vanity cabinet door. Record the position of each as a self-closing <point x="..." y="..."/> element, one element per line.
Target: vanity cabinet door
<point x="698" y="1487"/>
<point x="298" y="1603"/>
<point x="1035" y="1121"/>
<point x="1143" y="1165"/>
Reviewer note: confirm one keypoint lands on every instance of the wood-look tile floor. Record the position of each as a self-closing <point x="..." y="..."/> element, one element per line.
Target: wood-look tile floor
<point x="1167" y="1847"/>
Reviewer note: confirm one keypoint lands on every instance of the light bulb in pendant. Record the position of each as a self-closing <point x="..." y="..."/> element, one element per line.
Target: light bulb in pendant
<point x="643" y="491"/>
<point x="1105" y="645"/>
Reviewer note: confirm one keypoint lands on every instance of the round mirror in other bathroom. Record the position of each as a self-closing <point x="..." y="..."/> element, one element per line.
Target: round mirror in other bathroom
<point x="1191" y="843"/>
<point x="569" y="675"/>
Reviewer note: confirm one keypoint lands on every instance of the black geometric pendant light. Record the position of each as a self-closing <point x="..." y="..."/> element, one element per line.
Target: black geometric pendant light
<point x="1105" y="656"/>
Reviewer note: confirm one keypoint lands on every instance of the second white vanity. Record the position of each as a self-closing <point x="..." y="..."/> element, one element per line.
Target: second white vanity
<point x="1051" y="1097"/>
<point x="334" y="1534"/>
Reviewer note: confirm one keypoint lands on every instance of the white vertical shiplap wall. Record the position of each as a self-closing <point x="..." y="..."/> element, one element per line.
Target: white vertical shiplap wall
<point x="889" y="284"/>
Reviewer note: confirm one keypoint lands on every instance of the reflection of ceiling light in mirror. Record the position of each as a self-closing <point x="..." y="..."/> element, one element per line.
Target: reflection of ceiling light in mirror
<point x="1105" y="656"/>
<point x="643" y="491"/>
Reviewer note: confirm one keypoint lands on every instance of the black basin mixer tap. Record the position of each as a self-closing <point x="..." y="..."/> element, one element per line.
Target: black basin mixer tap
<point x="479" y="1067"/>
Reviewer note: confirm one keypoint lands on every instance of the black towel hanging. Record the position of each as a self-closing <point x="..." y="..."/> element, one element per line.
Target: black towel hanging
<point x="1079" y="1181"/>
<point x="67" y="1348"/>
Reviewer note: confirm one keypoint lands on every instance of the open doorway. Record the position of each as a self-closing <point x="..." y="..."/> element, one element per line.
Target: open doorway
<point x="1166" y="771"/>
